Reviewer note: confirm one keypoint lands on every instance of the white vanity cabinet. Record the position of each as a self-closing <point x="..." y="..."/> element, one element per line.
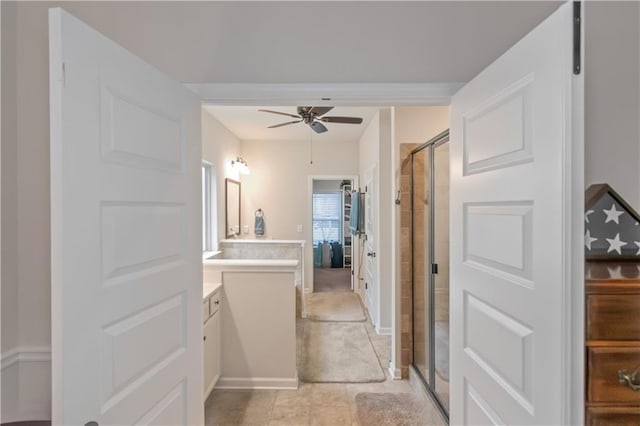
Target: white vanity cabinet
<point x="211" y="337"/>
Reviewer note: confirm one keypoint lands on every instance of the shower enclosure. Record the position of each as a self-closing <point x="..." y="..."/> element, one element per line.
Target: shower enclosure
<point x="430" y="265"/>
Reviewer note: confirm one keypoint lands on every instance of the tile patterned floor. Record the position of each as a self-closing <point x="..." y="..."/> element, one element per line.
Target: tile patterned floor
<point x="313" y="404"/>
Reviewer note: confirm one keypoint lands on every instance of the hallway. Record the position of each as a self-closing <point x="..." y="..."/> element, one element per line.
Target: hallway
<point x="385" y="403"/>
<point x="331" y="280"/>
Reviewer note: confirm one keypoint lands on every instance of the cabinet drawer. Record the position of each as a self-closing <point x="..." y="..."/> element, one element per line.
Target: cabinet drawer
<point x="215" y="303"/>
<point x="613" y="317"/>
<point x="205" y="311"/>
<point x="619" y="416"/>
<point x="602" y="380"/>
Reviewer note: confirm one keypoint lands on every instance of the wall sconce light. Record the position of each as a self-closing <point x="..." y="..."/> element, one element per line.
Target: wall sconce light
<point x="240" y="164"/>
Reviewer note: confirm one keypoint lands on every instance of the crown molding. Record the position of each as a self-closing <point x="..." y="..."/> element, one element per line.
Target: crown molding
<point x="347" y="94"/>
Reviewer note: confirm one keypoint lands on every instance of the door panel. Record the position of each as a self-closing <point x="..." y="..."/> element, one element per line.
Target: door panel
<point x="510" y="153"/>
<point x="370" y="244"/>
<point x="126" y="229"/>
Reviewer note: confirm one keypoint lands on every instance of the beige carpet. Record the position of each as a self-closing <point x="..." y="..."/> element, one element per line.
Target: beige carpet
<point x="331" y="279"/>
<point x="391" y="409"/>
<point x="338" y="353"/>
<point x="344" y="307"/>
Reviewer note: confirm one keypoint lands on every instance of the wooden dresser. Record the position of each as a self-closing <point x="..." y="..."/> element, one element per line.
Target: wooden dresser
<point x="612" y="343"/>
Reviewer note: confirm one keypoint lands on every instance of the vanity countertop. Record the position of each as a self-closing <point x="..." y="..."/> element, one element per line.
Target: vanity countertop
<point x="262" y="241"/>
<point x="248" y="263"/>
<point x="209" y="288"/>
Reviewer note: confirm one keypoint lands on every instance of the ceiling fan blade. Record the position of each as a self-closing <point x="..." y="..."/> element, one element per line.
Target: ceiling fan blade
<point x="278" y="112"/>
<point x="347" y="120"/>
<point x="284" y="124"/>
<point x="318" y="111"/>
<point x="318" y="127"/>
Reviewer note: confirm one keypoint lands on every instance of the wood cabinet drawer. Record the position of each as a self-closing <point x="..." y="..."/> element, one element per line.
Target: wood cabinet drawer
<point x="602" y="381"/>
<point x="613" y="317"/>
<point x="619" y="416"/>
<point x="205" y="311"/>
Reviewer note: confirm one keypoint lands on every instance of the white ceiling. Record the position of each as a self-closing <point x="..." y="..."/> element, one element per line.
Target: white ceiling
<point x="311" y="41"/>
<point x="308" y="42"/>
<point x="247" y="123"/>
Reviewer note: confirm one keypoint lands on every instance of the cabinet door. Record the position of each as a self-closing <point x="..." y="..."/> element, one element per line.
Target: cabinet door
<point x="211" y="353"/>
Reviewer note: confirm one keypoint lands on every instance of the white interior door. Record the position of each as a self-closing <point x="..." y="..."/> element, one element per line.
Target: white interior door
<point x="126" y="229"/>
<point x="511" y="213"/>
<point x="370" y="228"/>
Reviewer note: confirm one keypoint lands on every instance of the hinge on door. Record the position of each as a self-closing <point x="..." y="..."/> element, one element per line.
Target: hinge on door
<point x="366" y="286"/>
<point x="434" y="268"/>
<point x="577" y="22"/>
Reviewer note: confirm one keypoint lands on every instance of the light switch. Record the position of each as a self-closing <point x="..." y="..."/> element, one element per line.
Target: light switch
<point x="245" y="229"/>
<point x="299" y="228"/>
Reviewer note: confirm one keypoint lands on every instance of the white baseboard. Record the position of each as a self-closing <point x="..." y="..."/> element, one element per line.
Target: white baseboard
<point x="26" y="384"/>
<point x="384" y="331"/>
<point x="396" y="373"/>
<point x="25" y="354"/>
<point x="283" y="383"/>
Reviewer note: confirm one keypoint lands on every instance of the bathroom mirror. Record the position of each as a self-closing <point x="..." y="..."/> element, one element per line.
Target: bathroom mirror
<point x="232" y="207"/>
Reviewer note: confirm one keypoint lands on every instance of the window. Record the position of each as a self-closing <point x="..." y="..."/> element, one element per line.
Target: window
<point x="209" y="208"/>
<point x="327" y="217"/>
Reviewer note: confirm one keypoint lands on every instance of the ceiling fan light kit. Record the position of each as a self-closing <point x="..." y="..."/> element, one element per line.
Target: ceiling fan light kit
<point x="313" y="117"/>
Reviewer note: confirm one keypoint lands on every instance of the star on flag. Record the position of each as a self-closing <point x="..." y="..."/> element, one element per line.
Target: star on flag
<point x="613" y="214"/>
<point x="586" y="215"/>
<point x="615" y="244"/>
<point x="588" y="239"/>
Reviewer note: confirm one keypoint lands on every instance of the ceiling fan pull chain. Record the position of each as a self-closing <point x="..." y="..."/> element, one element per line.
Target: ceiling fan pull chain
<point x="311" y="146"/>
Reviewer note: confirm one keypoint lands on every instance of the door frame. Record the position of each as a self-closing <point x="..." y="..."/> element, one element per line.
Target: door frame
<point x="309" y="233"/>
<point x="374" y="294"/>
<point x="404" y="94"/>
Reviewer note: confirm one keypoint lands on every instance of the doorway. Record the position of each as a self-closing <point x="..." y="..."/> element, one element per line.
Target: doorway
<point x="332" y="239"/>
<point x="430" y="265"/>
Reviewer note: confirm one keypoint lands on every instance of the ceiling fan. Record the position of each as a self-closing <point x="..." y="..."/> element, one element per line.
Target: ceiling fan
<point x="313" y="117"/>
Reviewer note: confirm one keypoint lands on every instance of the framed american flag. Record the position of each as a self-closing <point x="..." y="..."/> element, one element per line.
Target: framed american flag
<point x="612" y="226"/>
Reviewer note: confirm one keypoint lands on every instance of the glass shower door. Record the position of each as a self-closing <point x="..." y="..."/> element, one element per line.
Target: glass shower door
<point x="430" y="266"/>
<point x="440" y="276"/>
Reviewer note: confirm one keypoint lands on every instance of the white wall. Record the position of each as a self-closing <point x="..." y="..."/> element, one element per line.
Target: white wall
<point x="385" y="207"/>
<point x="219" y="147"/>
<point x="279" y="185"/>
<point x="612" y="95"/>
<point x="419" y="124"/>
<point x="369" y="156"/>
<point x="25" y="217"/>
<point x="9" y="193"/>
<point x="375" y="151"/>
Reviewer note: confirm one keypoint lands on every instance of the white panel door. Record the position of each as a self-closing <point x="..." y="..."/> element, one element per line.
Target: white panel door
<point x="126" y="230"/>
<point x="370" y="228"/>
<point x="511" y="145"/>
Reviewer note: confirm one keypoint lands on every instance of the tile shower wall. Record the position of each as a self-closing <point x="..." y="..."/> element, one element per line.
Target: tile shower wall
<point x="406" y="342"/>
